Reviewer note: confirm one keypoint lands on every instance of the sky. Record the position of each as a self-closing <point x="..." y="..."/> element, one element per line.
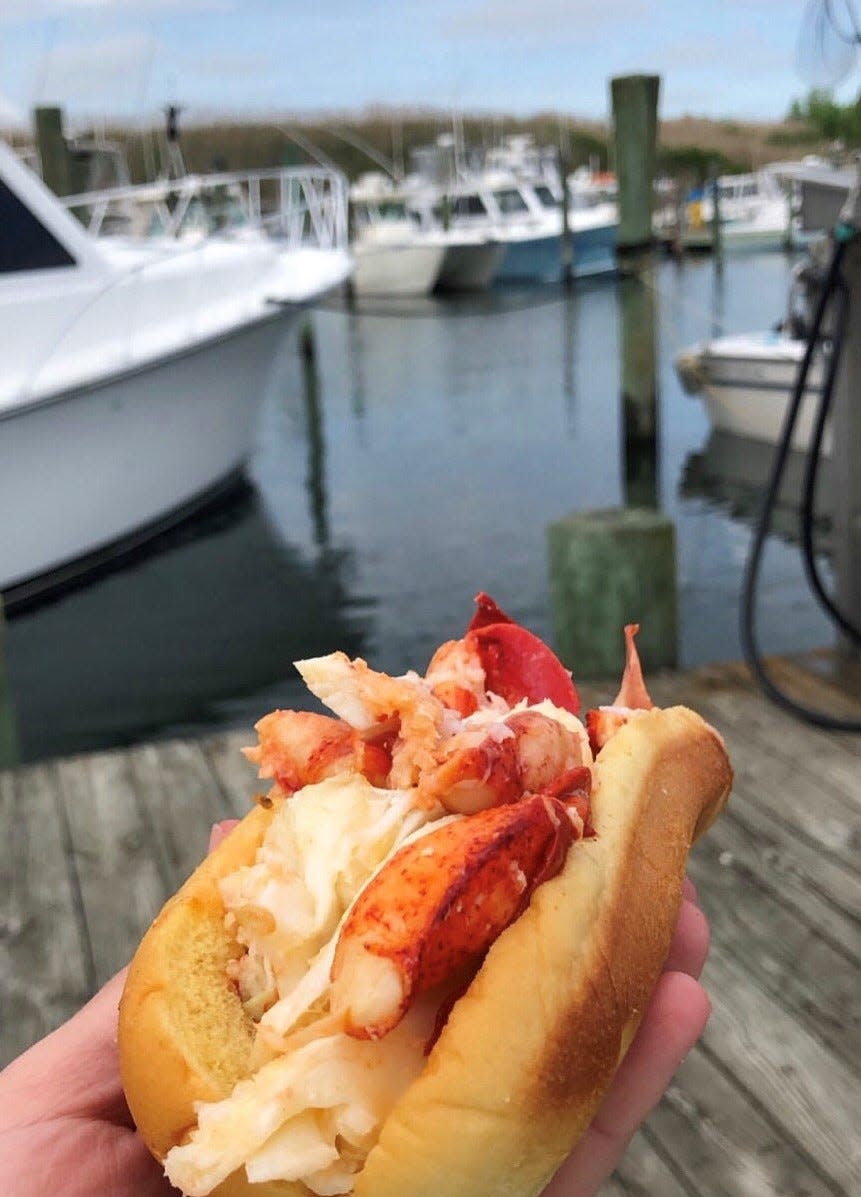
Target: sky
<point x="122" y="59"/>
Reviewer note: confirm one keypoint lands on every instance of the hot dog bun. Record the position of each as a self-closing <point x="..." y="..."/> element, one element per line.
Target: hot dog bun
<point x="527" y="1052"/>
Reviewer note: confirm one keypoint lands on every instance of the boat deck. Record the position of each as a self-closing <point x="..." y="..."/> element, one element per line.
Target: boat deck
<point x="766" y="1106"/>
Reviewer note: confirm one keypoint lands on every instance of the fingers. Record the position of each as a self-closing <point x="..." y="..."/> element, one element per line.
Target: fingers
<point x="676" y="1017"/>
<point x="220" y="831"/>
<point x="691" y="940"/>
<point x="83" y="1052"/>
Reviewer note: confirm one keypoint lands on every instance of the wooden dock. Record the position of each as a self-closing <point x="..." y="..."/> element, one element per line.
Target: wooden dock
<point x="768" y="1105"/>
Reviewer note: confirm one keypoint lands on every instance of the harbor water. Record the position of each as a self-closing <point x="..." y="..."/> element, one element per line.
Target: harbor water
<point x="419" y="458"/>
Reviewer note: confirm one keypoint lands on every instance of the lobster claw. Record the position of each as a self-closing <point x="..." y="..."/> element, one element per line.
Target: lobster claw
<point x="516" y="663"/>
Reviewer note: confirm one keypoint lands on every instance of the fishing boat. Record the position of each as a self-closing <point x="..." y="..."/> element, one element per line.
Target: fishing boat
<point x="755" y="213"/>
<point x="133" y="369"/>
<point x="403" y="244"/>
<point x="746" y="379"/>
<point x="392" y="255"/>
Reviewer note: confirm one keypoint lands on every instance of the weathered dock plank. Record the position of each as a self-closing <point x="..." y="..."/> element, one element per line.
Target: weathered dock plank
<point x="808" y="1090"/>
<point x="181" y="800"/>
<point x="122" y="888"/>
<point x="644" y="1172"/>
<point x="46" y="968"/>
<point x="786" y="955"/>
<point x="722" y="1145"/>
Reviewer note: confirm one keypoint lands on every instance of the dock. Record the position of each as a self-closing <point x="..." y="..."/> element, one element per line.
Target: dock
<point x="767" y="1105"/>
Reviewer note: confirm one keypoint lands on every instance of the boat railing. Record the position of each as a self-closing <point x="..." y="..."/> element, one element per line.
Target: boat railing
<point x="304" y="206"/>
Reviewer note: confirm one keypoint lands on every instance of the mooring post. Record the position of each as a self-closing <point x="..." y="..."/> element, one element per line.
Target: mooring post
<point x="609" y="568"/>
<point x="8" y="737"/>
<point x="635" y="122"/>
<point x="567" y="243"/>
<point x="717" y="235"/>
<point x="621" y="562"/>
<point x="846" y="440"/>
<point x="315" y="477"/>
<point x="635" y="115"/>
<point x="638" y="381"/>
<point x="53" y="150"/>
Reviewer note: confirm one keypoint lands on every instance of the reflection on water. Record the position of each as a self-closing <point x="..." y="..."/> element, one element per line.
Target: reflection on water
<point x="640" y="411"/>
<point x="196" y="633"/>
<point x="730" y="472"/>
<point x="416" y="457"/>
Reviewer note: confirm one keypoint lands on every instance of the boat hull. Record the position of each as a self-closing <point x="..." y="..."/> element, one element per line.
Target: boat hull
<point x="396" y="269"/>
<point x="540" y="259"/>
<point x="595" y="250"/>
<point x="470" y="267"/>
<point x="748" y="395"/>
<point x="89" y="467"/>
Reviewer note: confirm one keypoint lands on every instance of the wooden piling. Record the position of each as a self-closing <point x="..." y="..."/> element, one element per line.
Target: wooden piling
<point x="53" y="150"/>
<point x="619" y="565"/>
<point x="567" y="244"/>
<point x="621" y="561"/>
<point x="635" y="122"/>
<point x="639" y="391"/>
<point x="717" y="236"/>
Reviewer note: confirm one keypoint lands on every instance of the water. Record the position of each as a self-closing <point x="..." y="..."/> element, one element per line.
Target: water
<point x="445" y="437"/>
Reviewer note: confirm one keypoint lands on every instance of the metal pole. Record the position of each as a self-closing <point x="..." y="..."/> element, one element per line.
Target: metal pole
<point x="846" y="439"/>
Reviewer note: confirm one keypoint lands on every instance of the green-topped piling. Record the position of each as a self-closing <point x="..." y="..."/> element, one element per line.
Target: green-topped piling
<point x="635" y="125"/>
<point x="53" y="149"/>
<point x="609" y="568"/>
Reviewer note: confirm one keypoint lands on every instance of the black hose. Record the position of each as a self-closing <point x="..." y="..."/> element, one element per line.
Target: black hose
<point x="833" y="287"/>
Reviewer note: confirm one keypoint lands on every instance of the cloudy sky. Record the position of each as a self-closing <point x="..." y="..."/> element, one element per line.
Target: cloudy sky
<point x="720" y="58"/>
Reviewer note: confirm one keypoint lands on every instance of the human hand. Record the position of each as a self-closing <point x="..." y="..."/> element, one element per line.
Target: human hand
<point x="65" y="1129"/>
<point x="675" y="1019"/>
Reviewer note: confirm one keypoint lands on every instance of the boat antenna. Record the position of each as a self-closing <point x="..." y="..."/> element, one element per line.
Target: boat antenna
<point x="310" y="148"/>
<point x="175" y="163"/>
<point x="359" y="143"/>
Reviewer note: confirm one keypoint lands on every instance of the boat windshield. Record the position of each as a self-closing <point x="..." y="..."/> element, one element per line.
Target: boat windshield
<point x="546" y="196"/>
<point x="468" y="205"/>
<point x="25" y="243"/>
<point x="392" y="210"/>
<point x="510" y="200"/>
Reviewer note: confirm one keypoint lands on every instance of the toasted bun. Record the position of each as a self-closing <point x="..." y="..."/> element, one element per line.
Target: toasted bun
<point x="529" y="1050"/>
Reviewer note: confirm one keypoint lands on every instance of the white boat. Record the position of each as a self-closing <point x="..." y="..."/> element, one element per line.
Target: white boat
<point x="755" y="214"/>
<point x="392" y="255"/>
<point x="526" y="216"/>
<point x="403" y="247"/>
<point x="133" y="370"/>
<point x="746" y="380"/>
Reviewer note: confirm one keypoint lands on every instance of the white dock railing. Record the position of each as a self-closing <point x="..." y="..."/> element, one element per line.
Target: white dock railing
<point x="303" y="206"/>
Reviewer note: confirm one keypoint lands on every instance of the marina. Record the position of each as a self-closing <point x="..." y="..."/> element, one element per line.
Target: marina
<point x="765" y="1106"/>
<point x="414" y="409"/>
<point x="284" y="378"/>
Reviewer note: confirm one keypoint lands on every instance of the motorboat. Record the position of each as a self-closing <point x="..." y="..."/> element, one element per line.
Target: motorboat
<point x="755" y="213"/>
<point x="746" y="379"/>
<point x="133" y="369"/>
<point x="525" y="217"/>
<point x="405" y="247"/>
<point x="392" y="255"/>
